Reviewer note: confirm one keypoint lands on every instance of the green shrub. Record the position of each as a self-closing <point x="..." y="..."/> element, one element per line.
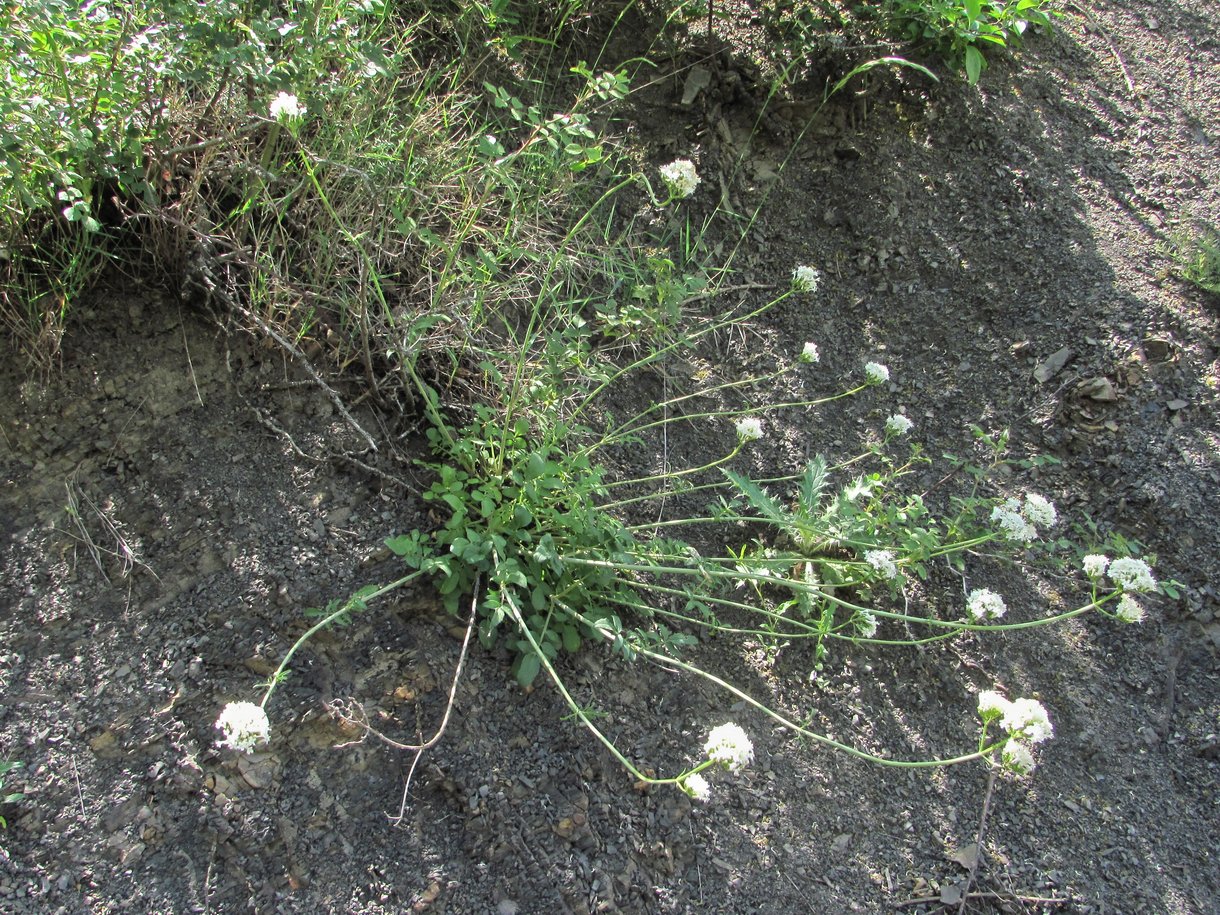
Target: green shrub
<point x="961" y="29"/>
<point x="103" y="102"/>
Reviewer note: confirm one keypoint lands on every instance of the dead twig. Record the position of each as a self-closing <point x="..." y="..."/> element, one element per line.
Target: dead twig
<point x="1173" y="657"/>
<point x="122" y="551"/>
<point x="351" y="713"/>
<point x="292" y="348"/>
<point x="267" y="422"/>
<point x="978" y="839"/>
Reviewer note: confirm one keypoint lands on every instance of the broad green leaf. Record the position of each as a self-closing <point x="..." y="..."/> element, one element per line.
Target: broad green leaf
<point x="974" y="64"/>
<point x="527" y="669"/>
<point x="404" y="544"/>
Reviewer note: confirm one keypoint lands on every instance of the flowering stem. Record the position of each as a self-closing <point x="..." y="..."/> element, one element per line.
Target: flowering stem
<point x="625" y="427"/>
<point x="908" y="643"/>
<point x="672" y="474"/>
<point x="659" y="354"/>
<point x="615" y="437"/>
<point x="580" y="713"/>
<point x="808" y="631"/>
<point x="348" y="605"/>
<point x="665" y="660"/>
<point x="802" y="587"/>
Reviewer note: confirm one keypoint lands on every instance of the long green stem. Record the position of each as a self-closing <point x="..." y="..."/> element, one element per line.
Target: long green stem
<point x="668" y="661"/>
<point x="728" y="484"/>
<point x="658" y="354"/>
<point x="626" y="425"/>
<point x="802" y="587"/>
<point x="612" y="439"/>
<point x="669" y="475"/>
<point x="809" y="631"/>
<point x="317" y="627"/>
<point x="579" y="712"/>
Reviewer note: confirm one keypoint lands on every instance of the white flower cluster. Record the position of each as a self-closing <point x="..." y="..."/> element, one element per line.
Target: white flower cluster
<point x="810" y="354"/>
<point x="876" y="373"/>
<point x="749" y="428"/>
<point x="1020" y="520"/>
<point x="1095" y="565"/>
<point x="1026" y="722"/>
<point x="985" y="604"/>
<point x="1128" y="575"/>
<point x="1132" y="574"/>
<point x="898" y="425"/>
<point x="244" y="725"/>
<point x="286" y="107"/>
<point x="1129" y="610"/>
<point x="882" y="562"/>
<point x="1017" y="757"/>
<point x="805" y="279"/>
<point x="1027" y="718"/>
<point x="1040" y="511"/>
<point x="729" y="745"/>
<point x="680" y="177"/>
<point x="697" y="787"/>
<point x="866" y="624"/>
<point x="991" y="704"/>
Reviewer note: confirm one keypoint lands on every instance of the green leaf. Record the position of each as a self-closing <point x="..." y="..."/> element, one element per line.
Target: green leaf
<point x="366" y="592"/>
<point x="539" y="597"/>
<point x="527" y="669"/>
<point x="759" y="499"/>
<point x="974" y="64"/>
<point x="490" y="147"/>
<point x="813" y="482"/>
<point x="509" y="573"/>
<point x="404" y="545"/>
<point x="535" y="465"/>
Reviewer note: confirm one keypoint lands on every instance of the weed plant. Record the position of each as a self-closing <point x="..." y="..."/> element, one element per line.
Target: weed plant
<point x="538" y="530"/>
<point x="7" y="766"/>
<point x="1198" y="258"/>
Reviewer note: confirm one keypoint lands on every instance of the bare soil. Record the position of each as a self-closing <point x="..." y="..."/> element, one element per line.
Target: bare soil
<point x="173" y="500"/>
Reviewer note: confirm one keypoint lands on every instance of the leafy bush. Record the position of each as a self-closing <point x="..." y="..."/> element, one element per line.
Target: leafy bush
<point x="961" y="29"/>
<point x="526" y="225"/>
<point x="448" y="234"/>
<point x="103" y="102"/>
